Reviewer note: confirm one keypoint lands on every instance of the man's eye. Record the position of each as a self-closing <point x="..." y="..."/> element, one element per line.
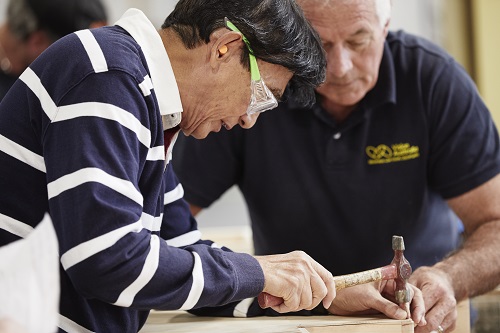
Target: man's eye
<point x="358" y="44"/>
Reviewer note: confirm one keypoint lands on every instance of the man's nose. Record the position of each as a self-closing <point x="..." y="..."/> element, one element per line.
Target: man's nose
<point x="339" y="61"/>
<point x="247" y="121"/>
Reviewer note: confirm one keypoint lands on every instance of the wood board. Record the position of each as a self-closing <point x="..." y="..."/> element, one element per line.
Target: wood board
<point x="183" y="322"/>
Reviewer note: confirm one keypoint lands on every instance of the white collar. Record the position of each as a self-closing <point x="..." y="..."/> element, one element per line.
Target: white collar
<point x="162" y="75"/>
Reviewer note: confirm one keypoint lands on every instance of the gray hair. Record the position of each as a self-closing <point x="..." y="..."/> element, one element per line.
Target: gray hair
<point x="277" y="31"/>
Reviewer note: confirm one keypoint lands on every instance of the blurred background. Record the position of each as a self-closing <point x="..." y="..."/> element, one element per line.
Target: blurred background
<point x="468" y="29"/>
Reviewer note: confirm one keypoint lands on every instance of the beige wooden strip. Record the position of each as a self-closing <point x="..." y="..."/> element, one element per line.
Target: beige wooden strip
<point x="182" y="322"/>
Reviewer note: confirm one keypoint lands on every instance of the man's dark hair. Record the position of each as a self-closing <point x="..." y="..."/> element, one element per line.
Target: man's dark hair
<point x="277" y="31"/>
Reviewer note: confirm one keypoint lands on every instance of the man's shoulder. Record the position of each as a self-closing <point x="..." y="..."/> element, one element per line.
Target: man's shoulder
<point x="119" y="48"/>
<point x="110" y="44"/>
<point x="404" y="44"/>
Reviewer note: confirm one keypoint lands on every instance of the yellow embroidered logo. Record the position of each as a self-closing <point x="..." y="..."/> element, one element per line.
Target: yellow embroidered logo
<point x="396" y="153"/>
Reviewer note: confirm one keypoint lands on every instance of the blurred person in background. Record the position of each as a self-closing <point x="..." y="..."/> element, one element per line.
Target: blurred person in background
<point x="399" y="142"/>
<point x="32" y="25"/>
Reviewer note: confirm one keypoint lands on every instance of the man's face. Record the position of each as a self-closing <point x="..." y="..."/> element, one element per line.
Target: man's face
<point x="354" y="39"/>
<point x="228" y="98"/>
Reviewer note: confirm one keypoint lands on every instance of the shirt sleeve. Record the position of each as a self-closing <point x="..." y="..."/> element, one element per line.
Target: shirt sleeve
<point x="464" y="142"/>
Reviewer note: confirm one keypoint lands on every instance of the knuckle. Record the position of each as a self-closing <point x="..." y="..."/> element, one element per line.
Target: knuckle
<point x="322" y="292"/>
<point x="302" y="255"/>
<point x="433" y="323"/>
<point x="451" y="302"/>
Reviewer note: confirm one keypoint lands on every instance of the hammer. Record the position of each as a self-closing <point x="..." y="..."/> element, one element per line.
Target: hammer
<point x="399" y="269"/>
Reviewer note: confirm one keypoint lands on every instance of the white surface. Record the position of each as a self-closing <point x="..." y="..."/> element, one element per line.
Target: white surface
<point x="229" y="210"/>
<point x="29" y="280"/>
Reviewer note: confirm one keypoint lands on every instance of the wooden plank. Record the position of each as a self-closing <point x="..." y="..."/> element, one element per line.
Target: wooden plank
<point x="399" y="327"/>
<point x="463" y="319"/>
<point x="182" y="322"/>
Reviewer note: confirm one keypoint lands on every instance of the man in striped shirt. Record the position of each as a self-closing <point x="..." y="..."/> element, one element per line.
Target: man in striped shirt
<point x="86" y="134"/>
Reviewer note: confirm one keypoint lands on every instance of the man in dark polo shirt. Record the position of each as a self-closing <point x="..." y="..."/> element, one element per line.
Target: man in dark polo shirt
<point x="32" y="25"/>
<point x="399" y="142"/>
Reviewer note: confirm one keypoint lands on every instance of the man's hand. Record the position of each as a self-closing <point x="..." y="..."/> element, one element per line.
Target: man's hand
<point x="439" y="298"/>
<point x="298" y="279"/>
<point x="378" y="297"/>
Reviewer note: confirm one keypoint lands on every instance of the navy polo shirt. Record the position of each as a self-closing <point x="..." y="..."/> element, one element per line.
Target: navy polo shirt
<point x="340" y="191"/>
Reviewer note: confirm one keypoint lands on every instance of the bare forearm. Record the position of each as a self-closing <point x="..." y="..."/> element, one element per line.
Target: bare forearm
<point x="475" y="269"/>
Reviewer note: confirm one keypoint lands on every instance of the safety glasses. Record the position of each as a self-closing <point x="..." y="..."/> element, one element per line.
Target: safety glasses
<point x="262" y="99"/>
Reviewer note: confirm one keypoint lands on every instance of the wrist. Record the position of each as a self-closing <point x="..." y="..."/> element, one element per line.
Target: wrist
<point x="450" y="273"/>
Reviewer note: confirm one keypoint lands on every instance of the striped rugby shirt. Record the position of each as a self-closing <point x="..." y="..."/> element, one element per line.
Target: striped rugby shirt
<point x="81" y="137"/>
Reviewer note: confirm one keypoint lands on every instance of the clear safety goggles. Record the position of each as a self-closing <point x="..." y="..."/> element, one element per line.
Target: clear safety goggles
<point x="261" y="99"/>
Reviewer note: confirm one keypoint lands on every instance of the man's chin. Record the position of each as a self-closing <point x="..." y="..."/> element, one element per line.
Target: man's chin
<point x="200" y="134"/>
<point x="347" y="98"/>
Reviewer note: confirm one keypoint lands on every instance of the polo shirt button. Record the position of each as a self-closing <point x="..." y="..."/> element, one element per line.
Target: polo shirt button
<point x="337" y="135"/>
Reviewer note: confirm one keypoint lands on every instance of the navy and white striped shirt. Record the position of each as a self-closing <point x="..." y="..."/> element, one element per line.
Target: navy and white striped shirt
<point x="82" y="137"/>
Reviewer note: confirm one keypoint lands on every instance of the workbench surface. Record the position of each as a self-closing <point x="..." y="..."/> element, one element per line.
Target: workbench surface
<point x="180" y="321"/>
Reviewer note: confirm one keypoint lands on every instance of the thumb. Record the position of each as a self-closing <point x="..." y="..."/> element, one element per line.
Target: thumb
<point x="329" y="281"/>
<point x="390" y="309"/>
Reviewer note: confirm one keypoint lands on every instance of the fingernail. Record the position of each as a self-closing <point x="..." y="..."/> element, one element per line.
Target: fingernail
<point x="401" y="314"/>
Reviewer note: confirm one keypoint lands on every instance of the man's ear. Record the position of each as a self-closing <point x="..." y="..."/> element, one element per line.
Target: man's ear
<point x="386" y="27"/>
<point x="224" y="45"/>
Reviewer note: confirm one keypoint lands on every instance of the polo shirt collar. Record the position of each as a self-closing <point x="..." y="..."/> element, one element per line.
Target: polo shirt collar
<point x="385" y="90"/>
<point x="162" y="76"/>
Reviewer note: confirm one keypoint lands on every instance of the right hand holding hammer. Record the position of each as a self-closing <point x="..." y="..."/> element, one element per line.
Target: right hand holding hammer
<point x="300" y="281"/>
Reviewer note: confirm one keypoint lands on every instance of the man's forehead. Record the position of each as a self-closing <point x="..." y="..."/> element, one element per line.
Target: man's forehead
<point x="354" y="15"/>
<point x="329" y="7"/>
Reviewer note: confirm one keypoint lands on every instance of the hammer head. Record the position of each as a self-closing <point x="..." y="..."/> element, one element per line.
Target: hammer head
<point x="403" y="270"/>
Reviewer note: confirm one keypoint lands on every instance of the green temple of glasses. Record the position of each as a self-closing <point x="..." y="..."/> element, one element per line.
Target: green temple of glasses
<point x="254" y="69"/>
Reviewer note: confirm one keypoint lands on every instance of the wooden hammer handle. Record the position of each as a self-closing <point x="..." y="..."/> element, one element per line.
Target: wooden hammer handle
<point x="342" y="281"/>
<point x="350" y="280"/>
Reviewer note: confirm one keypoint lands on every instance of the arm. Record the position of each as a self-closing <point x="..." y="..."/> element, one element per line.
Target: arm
<point x="463" y="167"/>
<point x="475" y="268"/>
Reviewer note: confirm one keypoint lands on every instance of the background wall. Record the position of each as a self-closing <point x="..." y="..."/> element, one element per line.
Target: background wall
<point x="486" y="46"/>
